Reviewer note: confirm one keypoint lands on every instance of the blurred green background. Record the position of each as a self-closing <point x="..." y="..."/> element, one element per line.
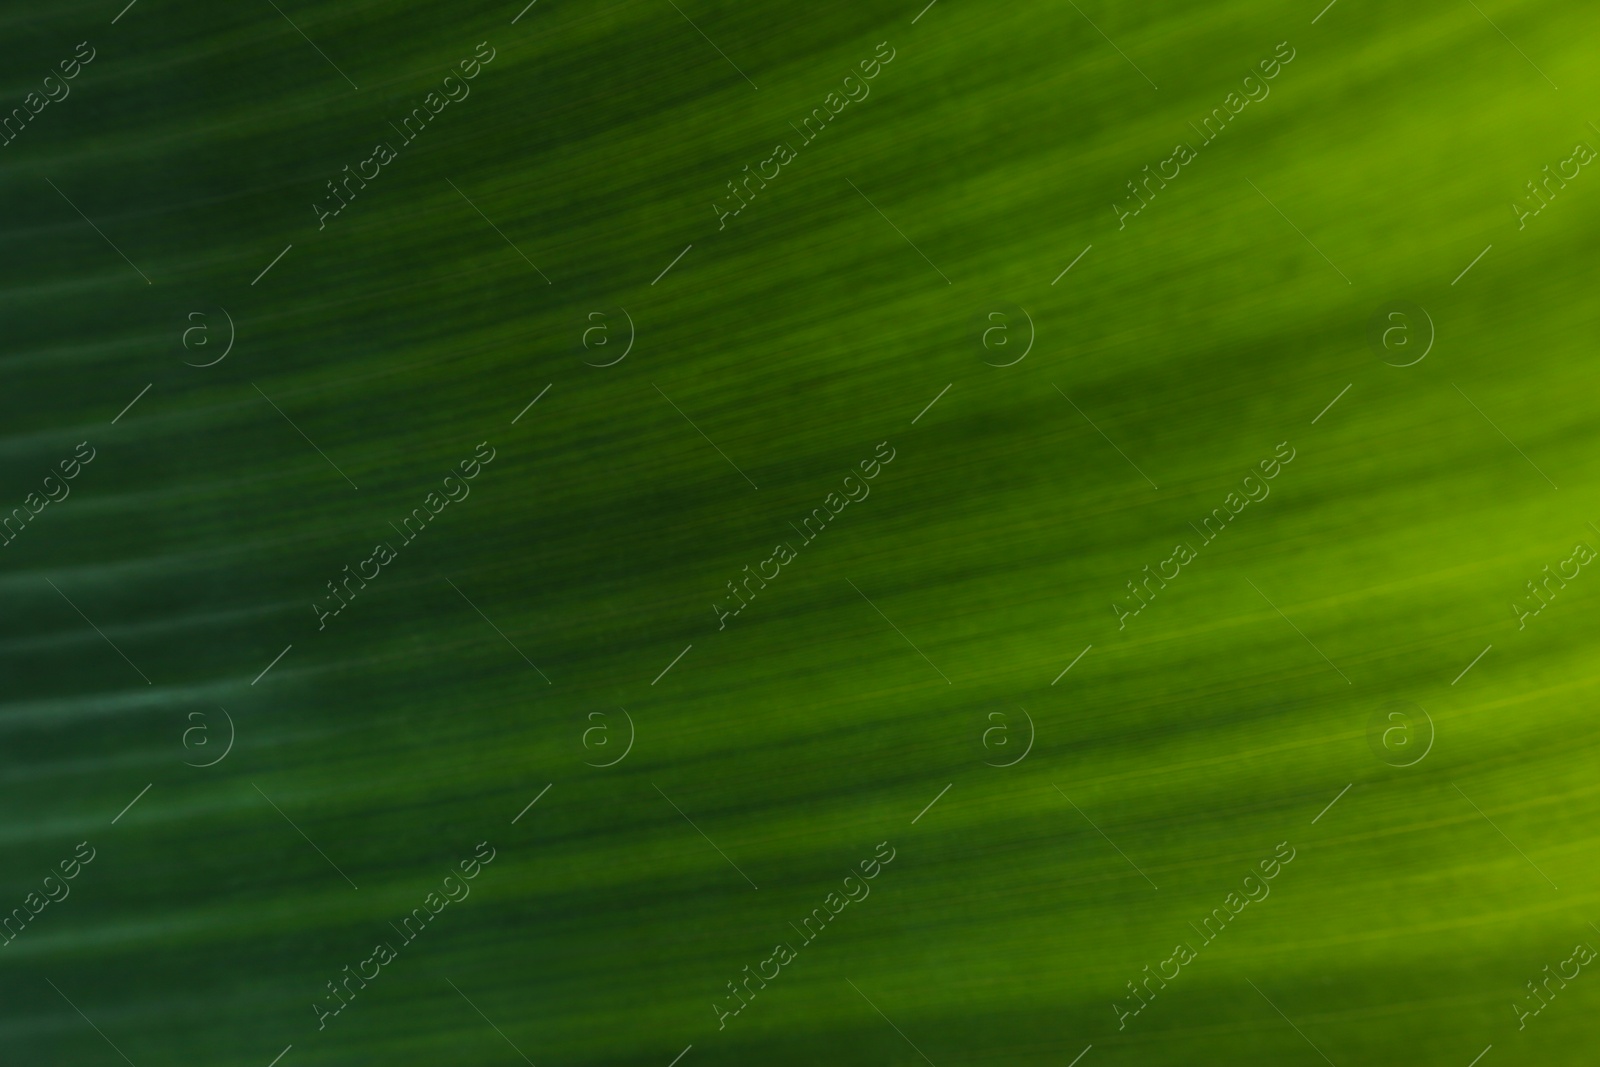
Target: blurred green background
<point x="822" y="720"/>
